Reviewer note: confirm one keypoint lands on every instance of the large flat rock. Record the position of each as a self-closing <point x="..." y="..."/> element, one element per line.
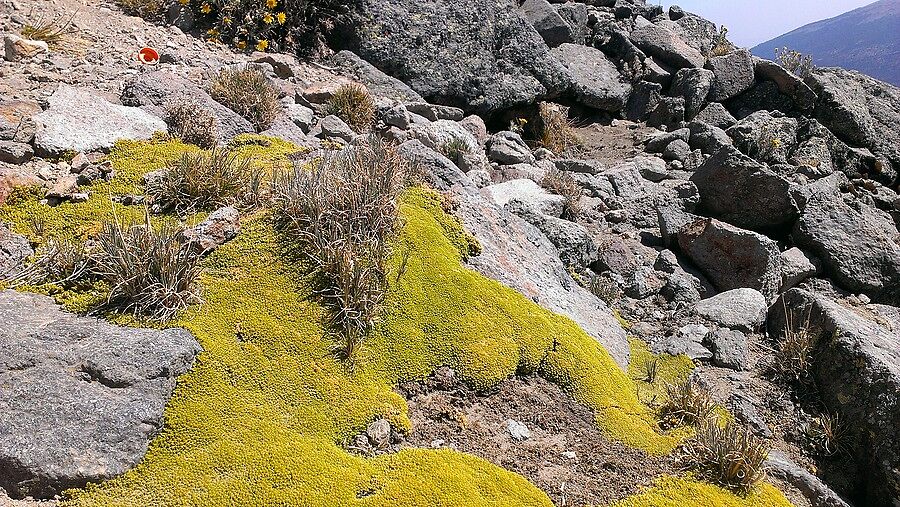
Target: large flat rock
<point x="80" y="399"/>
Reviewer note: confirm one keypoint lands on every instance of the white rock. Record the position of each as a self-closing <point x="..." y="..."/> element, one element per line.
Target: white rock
<point x="743" y="309"/>
<point x="518" y="430"/>
<point x="17" y="48"/>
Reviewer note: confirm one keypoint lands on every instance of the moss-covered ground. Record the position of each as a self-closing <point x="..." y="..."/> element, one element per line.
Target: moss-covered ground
<point x="262" y="416"/>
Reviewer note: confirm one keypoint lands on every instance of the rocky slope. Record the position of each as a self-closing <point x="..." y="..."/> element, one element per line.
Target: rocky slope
<point x="724" y="205"/>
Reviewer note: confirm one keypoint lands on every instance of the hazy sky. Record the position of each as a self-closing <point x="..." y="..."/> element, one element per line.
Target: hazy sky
<point x="751" y="22"/>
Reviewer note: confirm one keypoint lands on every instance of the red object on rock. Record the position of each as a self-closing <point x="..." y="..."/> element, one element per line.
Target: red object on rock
<point x="148" y="56"/>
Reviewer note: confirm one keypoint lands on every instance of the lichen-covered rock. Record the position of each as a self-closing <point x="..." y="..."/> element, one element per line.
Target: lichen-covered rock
<point x="438" y="135"/>
<point x="731" y="257"/>
<point x="694" y="85"/>
<point x="547" y="21"/>
<point x="856" y="243"/>
<point x="856" y="366"/>
<point x="527" y="192"/>
<point x="595" y="80"/>
<point x="787" y="82"/>
<point x="572" y="241"/>
<point x="743" y="192"/>
<point x="12" y="152"/>
<point x="420" y="42"/>
<point x="767" y="137"/>
<point x="78" y="119"/>
<point x="80" y="398"/>
<point x="14" y="250"/>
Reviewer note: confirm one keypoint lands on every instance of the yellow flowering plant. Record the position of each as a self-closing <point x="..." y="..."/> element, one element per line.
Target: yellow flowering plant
<point x="269" y="25"/>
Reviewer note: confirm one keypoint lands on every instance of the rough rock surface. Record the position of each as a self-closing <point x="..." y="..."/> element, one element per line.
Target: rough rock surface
<point x="743" y="192"/>
<point x="507" y="62"/>
<point x="220" y="226"/>
<point x="78" y="119"/>
<point x="857" y="371"/>
<point x="595" y="81"/>
<point x="858" y="245"/>
<point x="734" y="74"/>
<point x="742" y="309"/>
<point x="14" y="249"/>
<point x="80" y="399"/>
<point x="666" y="45"/>
<point x="731" y="257"/>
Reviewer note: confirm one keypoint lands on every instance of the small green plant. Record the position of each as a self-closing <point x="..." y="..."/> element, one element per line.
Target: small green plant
<point x="685" y="404"/>
<point x="728" y="455"/>
<point x="150" y="272"/>
<point x="340" y="215"/>
<point x="650" y="370"/>
<point x="795" y="61"/>
<point x="555" y="131"/>
<point x="247" y="91"/>
<point x="826" y="434"/>
<point x="562" y="183"/>
<point x="205" y="181"/>
<point x="188" y="121"/>
<point x="455" y="148"/>
<point x="354" y="104"/>
<point x="57" y="32"/>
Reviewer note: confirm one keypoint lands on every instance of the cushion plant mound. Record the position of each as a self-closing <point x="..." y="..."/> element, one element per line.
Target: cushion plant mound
<point x="261" y="417"/>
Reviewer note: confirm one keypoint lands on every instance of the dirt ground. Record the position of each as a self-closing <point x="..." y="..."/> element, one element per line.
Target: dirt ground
<point x="612" y="143"/>
<point x="566" y="455"/>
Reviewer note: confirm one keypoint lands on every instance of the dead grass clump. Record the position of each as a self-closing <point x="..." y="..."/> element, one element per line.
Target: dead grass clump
<point x="555" y="131"/>
<point x="728" y="455"/>
<point x="795" y="61"/>
<point x="354" y="104"/>
<point x="205" y="181"/>
<point x="340" y="215"/>
<point x="150" y="272"/>
<point x="59" y="262"/>
<point x="685" y="404"/>
<point x="191" y="123"/>
<point x="248" y="92"/>
<point x="57" y="32"/>
<point x="793" y="356"/>
<point x="562" y="183"/>
<point x="826" y="434"/>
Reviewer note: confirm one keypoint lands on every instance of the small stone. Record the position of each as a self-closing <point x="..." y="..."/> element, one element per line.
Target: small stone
<point x="89" y="174"/>
<point x="220" y="227"/>
<point x="379" y="432"/>
<point x="17" y="48"/>
<point x="332" y="126"/>
<point x="568" y="454"/>
<point x="79" y="162"/>
<point x="743" y="309"/>
<point x="437" y="443"/>
<point x="12" y="152"/>
<point x="730" y="349"/>
<point x="518" y="430"/>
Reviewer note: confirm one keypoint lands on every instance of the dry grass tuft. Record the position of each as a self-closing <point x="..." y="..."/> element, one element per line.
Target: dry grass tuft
<point x="685" y="404"/>
<point x="555" y="131"/>
<point x="150" y="272"/>
<point x="793" y="357"/>
<point x="57" y="32"/>
<point x="826" y="434"/>
<point x="562" y="183"/>
<point x="795" y="61"/>
<point x="148" y="9"/>
<point x="728" y="455"/>
<point x="191" y="123"/>
<point x="248" y="92"/>
<point x="354" y="104"/>
<point x="340" y="215"/>
<point x="205" y="181"/>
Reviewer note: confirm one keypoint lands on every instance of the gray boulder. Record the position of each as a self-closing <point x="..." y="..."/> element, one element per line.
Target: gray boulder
<point x="153" y="90"/>
<point x="730" y="349"/>
<point x="816" y="492"/>
<point x="377" y="82"/>
<point x="520" y="256"/>
<point x="658" y="143"/>
<point x="655" y="40"/>
<point x="575" y="246"/>
<point x="731" y="257"/>
<point x="709" y="139"/>
<point x="861" y="111"/>
<point x="528" y="192"/>
<point x="547" y="21"/>
<point x="508" y="148"/>
<point x="440" y="172"/>
<point x="420" y="42"/>
<point x="79" y="120"/>
<point x="688" y="341"/>
<point x="82" y="398"/>
<point x="13" y="152"/>
<point x="438" y="134"/>
<point x="743" y="309"/>
<point x="333" y="127"/>
<point x="765" y="136"/>
<point x="734" y="74"/>
<point x="716" y="115"/>
<point x="694" y="85"/>
<point x="595" y="81"/>
<point x="796" y="267"/>
<point x="743" y="192"/>
<point x="857" y="244"/>
<point x="856" y="367"/>
<point x="697" y="31"/>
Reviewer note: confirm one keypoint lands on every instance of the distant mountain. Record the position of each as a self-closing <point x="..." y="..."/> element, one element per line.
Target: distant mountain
<point x="866" y="39"/>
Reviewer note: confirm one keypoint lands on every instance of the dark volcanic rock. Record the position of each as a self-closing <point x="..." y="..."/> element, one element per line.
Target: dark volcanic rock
<point x="859" y="245"/>
<point x="80" y="398"/>
<point x="506" y="62"/>
<point x="666" y="45"/>
<point x="694" y="86"/>
<point x="857" y="371"/>
<point x="594" y="78"/>
<point x="731" y="257"/>
<point x="787" y="82"/>
<point x="549" y="23"/>
<point x="734" y="74"/>
<point x="735" y="188"/>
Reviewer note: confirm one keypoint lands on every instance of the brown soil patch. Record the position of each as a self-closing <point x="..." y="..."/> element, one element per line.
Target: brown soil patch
<point x="445" y="413"/>
<point x="612" y="144"/>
